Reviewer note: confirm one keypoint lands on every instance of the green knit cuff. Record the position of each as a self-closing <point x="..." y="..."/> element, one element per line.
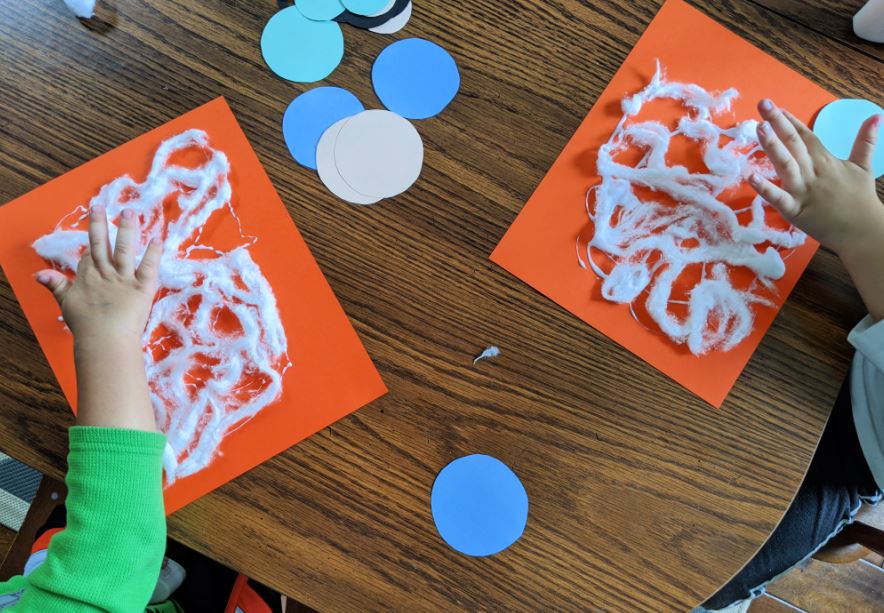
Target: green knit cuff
<point x="116" y="440"/>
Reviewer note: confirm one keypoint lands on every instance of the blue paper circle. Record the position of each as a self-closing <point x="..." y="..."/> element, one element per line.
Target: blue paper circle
<point x="320" y="10"/>
<point x="310" y="115"/>
<point x="479" y="505"/>
<point x="365" y="7"/>
<point x="300" y="49"/>
<point x="837" y="124"/>
<point x="415" y="78"/>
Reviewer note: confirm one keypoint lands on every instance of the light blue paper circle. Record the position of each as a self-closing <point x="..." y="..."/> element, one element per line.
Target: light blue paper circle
<point x="479" y="505"/>
<point x="300" y="49"/>
<point x="415" y="78"/>
<point x="320" y="10"/>
<point x="310" y="115"/>
<point x="837" y="124"/>
<point x="365" y="7"/>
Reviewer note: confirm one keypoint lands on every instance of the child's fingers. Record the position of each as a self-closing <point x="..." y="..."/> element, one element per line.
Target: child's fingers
<point x="54" y="281"/>
<point x="85" y="263"/>
<point x="98" y="245"/>
<point x="787" y="134"/>
<point x="149" y="268"/>
<point x="124" y="250"/>
<point x="782" y="160"/>
<point x="811" y="141"/>
<point x="864" y="145"/>
<point x="777" y="196"/>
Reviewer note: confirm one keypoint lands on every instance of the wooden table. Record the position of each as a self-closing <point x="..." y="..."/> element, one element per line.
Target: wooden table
<point x="642" y="497"/>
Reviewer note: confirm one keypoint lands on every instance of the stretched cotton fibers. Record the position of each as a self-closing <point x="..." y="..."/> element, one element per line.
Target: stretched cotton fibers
<point x="653" y="219"/>
<point x="215" y="347"/>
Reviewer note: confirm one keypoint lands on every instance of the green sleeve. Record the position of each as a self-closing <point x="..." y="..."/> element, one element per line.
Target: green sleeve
<point x="108" y="557"/>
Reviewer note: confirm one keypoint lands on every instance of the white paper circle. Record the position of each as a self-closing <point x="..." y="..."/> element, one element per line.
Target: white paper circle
<point x="396" y="23"/>
<point x="379" y="153"/>
<point x="328" y="170"/>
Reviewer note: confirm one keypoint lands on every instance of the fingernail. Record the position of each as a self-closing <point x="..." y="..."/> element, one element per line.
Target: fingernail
<point x="42" y="278"/>
<point x="766" y="105"/>
<point x="98" y="209"/>
<point x="764" y="127"/>
<point x="127" y="214"/>
<point x="754" y="178"/>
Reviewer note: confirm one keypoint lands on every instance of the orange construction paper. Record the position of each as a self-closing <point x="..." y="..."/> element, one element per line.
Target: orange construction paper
<point x="331" y="374"/>
<point x="540" y="246"/>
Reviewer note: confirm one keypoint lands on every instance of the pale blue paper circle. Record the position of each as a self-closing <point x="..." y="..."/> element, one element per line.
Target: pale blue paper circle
<point x="365" y="7"/>
<point x="320" y="10"/>
<point x="300" y="49"/>
<point x="838" y="122"/>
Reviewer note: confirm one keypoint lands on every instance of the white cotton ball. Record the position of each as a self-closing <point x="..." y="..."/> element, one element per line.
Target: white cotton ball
<point x="771" y="264"/>
<point x="63" y="247"/>
<point x="626" y="281"/>
<point x="631" y="106"/>
<point x="698" y="129"/>
<point x="82" y="8"/>
<point x="745" y="131"/>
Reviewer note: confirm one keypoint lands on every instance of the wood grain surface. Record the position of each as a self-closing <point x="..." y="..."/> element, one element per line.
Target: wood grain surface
<point x="642" y="497"/>
<point x="832" y="18"/>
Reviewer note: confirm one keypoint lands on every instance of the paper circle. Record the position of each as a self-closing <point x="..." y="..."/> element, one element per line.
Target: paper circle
<point x="328" y="171"/>
<point x="396" y="23"/>
<point x="365" y="7"/>
<point x="379" y="153"/>
<point x="300" y="49"/>
<point x="479" y="505"/>
<point x="386" y="9"/>
<point x="415" y="78"/>
<point x="372" y="21"/>
<point x="310" y="115"/>
<point x="837" y="124"/>
<point x="320" y="10"/>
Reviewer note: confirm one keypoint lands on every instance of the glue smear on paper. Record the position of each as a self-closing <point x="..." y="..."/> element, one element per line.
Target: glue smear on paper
<point x="653" y="222"/>
<point x="215" y="347"/>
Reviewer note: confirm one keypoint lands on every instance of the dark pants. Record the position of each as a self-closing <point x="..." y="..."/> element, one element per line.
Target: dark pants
<point x="837" y="482"/>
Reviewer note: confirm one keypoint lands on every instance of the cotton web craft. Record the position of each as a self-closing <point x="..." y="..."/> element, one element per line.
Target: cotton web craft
<point x="215" y="347"/>
<point x="654" y="221"/>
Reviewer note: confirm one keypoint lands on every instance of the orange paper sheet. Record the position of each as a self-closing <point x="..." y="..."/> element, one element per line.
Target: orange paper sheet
<point x="331" y="374"/>
<point x="539" y="247"/>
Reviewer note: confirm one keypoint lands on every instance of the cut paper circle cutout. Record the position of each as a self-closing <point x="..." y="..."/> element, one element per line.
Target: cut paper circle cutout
<point x="299" y="49"/>
<point x="365" y="7"/>
<point x="415" y="78"/>
<point x="84" y="9"/>
<point x="379" y="153"/>
<point x="396" y="23"/>
<point x="328" y="170"/>
<point x="367" y="22"/>
<point x="320" y="10"/>
<point x="837" y="124"/>
<point x="310" y="115"/>
<point x="479" y="505"/>
<point x="387" y="8"/>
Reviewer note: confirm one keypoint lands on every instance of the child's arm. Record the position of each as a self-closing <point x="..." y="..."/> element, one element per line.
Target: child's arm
<point x="106" y="309"/>
<point x="108" y="556"/>
<point x="832" y="200"/>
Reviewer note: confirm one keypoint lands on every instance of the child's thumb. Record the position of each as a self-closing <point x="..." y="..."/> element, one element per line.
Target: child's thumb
<point x="864" y="146"/>
<point x="54" y="281"/>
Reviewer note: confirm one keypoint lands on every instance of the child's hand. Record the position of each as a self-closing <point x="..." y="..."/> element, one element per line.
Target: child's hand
<point x="832" y="200"/>
<point x="110" y="299"/>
